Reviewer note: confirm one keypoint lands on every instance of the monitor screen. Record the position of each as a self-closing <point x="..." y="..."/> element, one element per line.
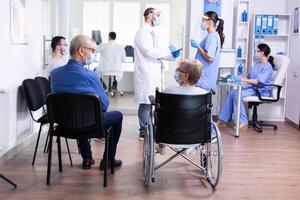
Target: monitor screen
<point x="96" y="36"/>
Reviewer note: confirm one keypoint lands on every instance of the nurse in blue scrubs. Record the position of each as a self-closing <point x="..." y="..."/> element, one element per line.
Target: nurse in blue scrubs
<point x="209" y="49"/>
<point x="260" y="76"/>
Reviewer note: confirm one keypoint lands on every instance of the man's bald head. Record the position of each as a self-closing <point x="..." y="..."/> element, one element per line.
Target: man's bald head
<point x="79" y="41"/>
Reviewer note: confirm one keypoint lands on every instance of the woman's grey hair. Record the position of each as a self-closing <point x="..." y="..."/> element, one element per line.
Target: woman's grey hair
<point x="77" y="42"/>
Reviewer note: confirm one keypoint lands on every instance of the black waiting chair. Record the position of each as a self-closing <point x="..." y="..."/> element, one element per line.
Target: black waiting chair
<point x="45" y="86"/>
<point x="76" y="116"/>
<point x="35" y="101"/>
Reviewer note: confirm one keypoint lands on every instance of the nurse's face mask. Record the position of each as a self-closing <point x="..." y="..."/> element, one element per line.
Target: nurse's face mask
<point x="204" y="24"/>
<point x="258" y="55"/>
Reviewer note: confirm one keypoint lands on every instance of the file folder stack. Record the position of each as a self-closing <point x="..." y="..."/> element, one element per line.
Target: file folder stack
<point x="266" y="24"/>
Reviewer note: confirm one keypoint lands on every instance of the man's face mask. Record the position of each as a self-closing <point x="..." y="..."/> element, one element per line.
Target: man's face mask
<point x="156" y="21"/>
<point x="90" y="60"/>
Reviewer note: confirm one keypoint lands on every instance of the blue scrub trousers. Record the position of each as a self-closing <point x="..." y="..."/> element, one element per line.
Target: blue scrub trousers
<point x="230" y="106"/>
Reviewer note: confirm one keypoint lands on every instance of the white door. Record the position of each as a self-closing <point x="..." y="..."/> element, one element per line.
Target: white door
<point x="293" y="95"/>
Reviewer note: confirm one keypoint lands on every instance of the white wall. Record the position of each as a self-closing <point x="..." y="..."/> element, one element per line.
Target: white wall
<point x="195" y="13"/>
<point x="18" y="62"/>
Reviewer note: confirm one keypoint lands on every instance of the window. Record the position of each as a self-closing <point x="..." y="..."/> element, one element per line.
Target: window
<point x="126" y="21"/>
<point x="96" y="17"/>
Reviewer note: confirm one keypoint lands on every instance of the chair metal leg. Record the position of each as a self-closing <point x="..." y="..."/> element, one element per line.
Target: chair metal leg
<point x="59" y="153"/>
<point x="8" y="180"/>
<point x="111" y="143"/>
<point x="46" y="143"/>
<point x="69" y="152"/>
<point x="36" y="145"/>
<point x="106" y="160"/>
<point x="49" y="159"/>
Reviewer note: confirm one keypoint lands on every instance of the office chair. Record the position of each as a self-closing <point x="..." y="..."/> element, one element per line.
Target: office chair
<point x="281" y="63"/>
<point x="129" y="51"/>
<point x="76" y="116"/>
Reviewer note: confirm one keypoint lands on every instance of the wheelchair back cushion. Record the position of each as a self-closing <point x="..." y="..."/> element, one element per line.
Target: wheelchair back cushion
<point x="183" y="119"/>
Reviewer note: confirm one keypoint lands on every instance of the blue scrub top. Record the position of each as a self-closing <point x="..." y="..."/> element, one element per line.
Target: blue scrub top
<point x="262" y="72"/>
<point x="211" y="44"/>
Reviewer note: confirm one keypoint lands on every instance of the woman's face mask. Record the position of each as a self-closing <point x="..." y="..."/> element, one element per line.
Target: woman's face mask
<point x="176" y="76"/>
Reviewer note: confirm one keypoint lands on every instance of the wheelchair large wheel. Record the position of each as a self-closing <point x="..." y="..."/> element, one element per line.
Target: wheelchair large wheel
<point x="214" y="156"/>
<point x="148" y="155"/>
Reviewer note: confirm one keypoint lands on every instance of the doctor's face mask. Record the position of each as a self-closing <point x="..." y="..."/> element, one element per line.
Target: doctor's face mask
<point x="156" y="20"/>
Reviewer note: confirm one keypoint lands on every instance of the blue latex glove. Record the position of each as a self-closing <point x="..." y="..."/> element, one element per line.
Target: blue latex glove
<point x="194" y="44"/>
<point x="234" y="78"/>
<point x="176" y="54"/>
<point x="173" y="51"/>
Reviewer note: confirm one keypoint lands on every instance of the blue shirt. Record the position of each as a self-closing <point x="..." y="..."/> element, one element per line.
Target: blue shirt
<point x="262" y="72"/>
<point x="74" y="78"/>
<point x="211" y="44"/>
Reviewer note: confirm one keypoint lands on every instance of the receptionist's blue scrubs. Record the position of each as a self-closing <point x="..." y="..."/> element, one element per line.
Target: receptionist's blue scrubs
<point x="262" y="72"/>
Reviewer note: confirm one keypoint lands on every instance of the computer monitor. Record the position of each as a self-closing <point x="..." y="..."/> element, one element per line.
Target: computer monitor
<point x="228" y="58"/>
<point x="96" y="36"/>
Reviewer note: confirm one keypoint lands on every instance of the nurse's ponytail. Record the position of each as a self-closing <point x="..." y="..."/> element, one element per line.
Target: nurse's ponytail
<point x="267" y="50"/>
<point x="218" y="22"/>
<point x="220" y="29"/>
<point x="271" y="61"/>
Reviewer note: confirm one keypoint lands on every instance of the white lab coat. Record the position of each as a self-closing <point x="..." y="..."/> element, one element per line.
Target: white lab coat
<point x="112" y="55"/>
<point x="148" y="74"/>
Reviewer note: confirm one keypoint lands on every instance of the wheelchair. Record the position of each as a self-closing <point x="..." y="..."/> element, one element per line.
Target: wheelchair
<point x="181" y="122"/>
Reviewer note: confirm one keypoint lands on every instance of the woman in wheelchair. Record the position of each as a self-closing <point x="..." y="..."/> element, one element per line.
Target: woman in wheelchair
<point x="259" y="77"/>
<point x="182" y="120"/>
<point x="186" y="75"/>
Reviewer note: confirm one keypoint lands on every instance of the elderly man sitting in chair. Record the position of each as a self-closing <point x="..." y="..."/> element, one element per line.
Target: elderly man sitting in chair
<point x="75" y="78"/>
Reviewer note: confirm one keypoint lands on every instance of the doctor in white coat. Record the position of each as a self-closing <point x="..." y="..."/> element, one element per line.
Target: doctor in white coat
<point x="148" y="70"/>
<point x="112" y="55"/>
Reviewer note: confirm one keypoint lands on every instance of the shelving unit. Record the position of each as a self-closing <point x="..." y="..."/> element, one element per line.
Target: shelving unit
<point x="242" y="33"/>
<point x="279" y="43"/>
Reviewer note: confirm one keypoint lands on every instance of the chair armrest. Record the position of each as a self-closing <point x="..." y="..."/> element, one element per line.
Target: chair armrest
<point x="260" y="97"/>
